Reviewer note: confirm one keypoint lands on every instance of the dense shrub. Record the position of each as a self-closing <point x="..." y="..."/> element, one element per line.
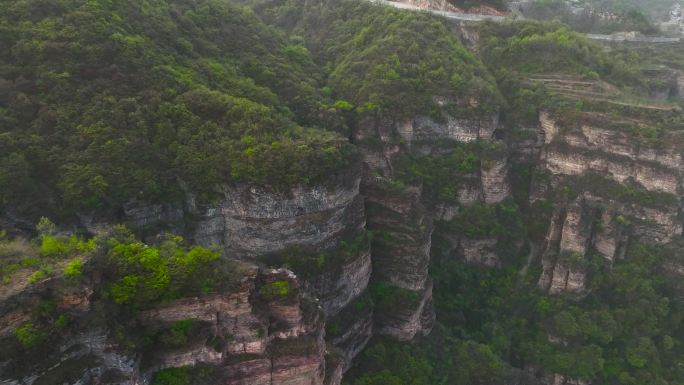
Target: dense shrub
<point x="29" y="336"/>
<point x="143" y="274"/>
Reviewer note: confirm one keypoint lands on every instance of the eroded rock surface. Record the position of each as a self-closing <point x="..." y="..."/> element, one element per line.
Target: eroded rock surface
<point x="623" y="188"/>
<point x="249" y="334"/>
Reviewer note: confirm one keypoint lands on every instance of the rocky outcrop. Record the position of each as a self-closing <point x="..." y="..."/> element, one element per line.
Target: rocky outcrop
<point x="471" y="192"/>
<point x="611" y="152"/>
<point x="625" y="187"/>
<point x="425" y="129"/>
<point x="568" y="161"/>
<point x="561" y="276"/>
<point x="479" y="251"/>
<point x="251" y="221"/>
<point x="549" y="127"/>
<point x="259" y="222"/>
<point x="401" y="216"/>
<point x="270" y="342"/>
<point x="401" y="255"/>
<point x="401" y="248"/>
<point x="208" y="227"/>
<point x="259" y="331"/>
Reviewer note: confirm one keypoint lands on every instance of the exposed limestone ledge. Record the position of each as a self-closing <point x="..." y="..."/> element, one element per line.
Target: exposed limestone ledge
<point x="461" y="130"/>
<point x="602" y="226"/>
<point x="228" y="314"/>
<point x="200" y="354"/>
<point x="258" y="222"/>
<point x="616" y="142"/>
<point x="576" y="162"/>
<point x="654" y="225"/>
<point x="255" y="371"/>
<point x="252" y="221"/>
<point x="209" y="226"/>
<point x="139" y="215"/>
<point x="253" y="202"/>
<point x="299" y="369"/>
<point x="568" y="239"/>
<point x="591" y="146"/>
<point x="576" y="230"/>
<point x="611" y="241"/>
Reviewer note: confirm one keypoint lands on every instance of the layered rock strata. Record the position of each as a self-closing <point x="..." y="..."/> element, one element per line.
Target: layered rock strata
<point x="249" y="334"/>
<point x="624" y="187"/>
<point x="257" y="224"/>
<point x="401" y="216"/>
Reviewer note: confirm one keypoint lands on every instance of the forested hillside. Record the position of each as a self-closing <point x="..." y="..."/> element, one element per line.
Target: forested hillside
<point x="108" y="102"/>
<point x="334" y="192"/>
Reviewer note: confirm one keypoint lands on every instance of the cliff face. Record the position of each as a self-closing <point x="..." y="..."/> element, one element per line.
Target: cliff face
<point x="247" y="334"/>
<point x="488" y="185"/>
<point x="622" y="188"/>
<point x="402" y="216"/>
<point x="257" y="222"/>
<point x="402" y="228"/>
<point x="251" y="223"/>
<point x="612" y="153"/>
